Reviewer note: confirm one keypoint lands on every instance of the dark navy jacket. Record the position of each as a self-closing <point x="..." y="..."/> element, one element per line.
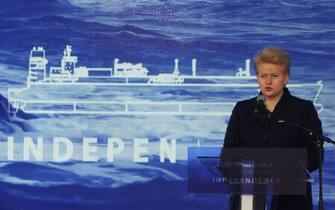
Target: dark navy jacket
<point x="246" y="130"/>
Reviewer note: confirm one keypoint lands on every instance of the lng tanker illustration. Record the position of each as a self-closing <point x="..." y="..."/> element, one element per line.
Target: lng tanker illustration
<point x="130" y="89"/>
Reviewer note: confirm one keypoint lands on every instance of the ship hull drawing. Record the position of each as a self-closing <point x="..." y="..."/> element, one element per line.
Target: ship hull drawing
<point x="129" y="89"/>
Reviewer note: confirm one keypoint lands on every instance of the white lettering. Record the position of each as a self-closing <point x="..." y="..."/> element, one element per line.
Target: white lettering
<point x="56" y="153"/>
<point x="88" y="149"/>
<point x="170" y="150"/>
<point x="29" y="147"/>
<point x="138" y="150"/>
<point x="10" y="148"/>
<point x="114" y="146"/>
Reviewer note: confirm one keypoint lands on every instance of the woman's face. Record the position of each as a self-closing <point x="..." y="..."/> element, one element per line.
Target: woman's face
<point x="271" y="79"/>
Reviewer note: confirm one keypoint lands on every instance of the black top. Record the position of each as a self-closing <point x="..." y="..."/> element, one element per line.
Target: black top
<point x="246" y="130"/>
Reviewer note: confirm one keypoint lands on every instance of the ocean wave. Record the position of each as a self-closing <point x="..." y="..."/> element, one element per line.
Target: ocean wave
<point x="13" y="124"/>
<point x="24" y="9"/>
<point x="152" y="195"/>
<point x="99" y="175"/>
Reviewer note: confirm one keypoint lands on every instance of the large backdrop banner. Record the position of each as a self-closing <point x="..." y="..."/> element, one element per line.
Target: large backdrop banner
<point x="101" y="100"/>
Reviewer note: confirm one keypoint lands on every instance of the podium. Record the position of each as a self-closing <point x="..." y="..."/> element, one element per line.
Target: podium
<point x="248" y="173"/>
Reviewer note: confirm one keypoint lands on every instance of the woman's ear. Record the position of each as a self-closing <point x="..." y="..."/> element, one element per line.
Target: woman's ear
<point x="287" y="77"/>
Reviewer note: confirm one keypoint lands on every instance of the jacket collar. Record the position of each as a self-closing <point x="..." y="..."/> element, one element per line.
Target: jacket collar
<point x="283" y="100"/>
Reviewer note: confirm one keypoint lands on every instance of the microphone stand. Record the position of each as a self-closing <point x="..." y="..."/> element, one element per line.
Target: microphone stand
<point x="319" y="139"/>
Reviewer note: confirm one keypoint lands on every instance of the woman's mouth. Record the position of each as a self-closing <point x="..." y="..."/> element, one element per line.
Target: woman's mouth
<point x="268" y="88"/>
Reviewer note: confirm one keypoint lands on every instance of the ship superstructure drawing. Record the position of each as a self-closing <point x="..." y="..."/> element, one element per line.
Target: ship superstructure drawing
<point x="130" y="89"/>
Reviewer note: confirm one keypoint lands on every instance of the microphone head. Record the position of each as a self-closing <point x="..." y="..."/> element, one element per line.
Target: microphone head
<point x="261" y="99"/>
<point x="260" y="109"/>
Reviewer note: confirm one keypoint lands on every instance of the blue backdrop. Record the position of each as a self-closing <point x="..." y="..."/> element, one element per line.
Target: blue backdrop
<point x="219" y="34"/>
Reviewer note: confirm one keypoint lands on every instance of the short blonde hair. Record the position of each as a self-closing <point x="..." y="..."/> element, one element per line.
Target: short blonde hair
<point x="273" y="55"/>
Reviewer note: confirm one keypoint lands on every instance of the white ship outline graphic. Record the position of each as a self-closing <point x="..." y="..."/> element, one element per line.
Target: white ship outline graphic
<point x="126" y="75"/>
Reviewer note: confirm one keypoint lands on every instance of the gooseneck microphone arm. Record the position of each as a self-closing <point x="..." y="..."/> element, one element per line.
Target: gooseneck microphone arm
<point x="319" y="139"/>
<point x="309" y="131"/>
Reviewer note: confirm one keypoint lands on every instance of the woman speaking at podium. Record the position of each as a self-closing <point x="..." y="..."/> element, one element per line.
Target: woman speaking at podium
<point x="250" y="126"/>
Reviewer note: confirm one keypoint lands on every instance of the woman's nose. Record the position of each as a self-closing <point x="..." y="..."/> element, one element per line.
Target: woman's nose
<point x="268" y="80"/>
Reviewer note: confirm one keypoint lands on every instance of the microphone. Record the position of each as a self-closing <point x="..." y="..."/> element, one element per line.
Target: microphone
<point x="260" y="109"/>
<point x="319" y="139"/>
